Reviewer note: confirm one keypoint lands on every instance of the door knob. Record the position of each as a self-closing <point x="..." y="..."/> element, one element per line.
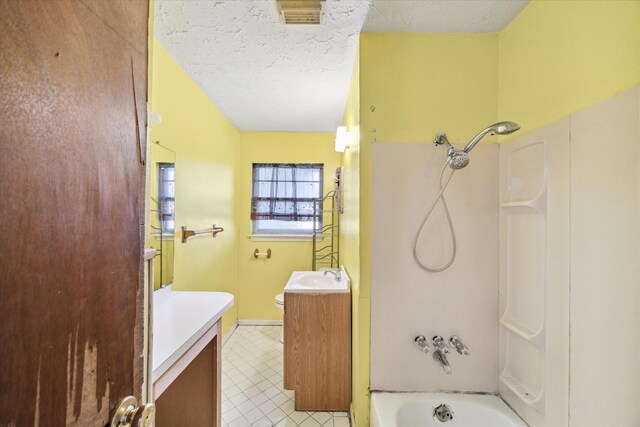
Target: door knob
<point x="129" y="414"/>
<point x="145" y="416"/>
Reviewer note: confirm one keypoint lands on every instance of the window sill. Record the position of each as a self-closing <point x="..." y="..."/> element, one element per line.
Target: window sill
<point x="282" y="237"/>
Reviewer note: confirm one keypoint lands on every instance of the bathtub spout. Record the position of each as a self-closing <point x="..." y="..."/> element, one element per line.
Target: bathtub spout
<point x="444" y="362"/>
<point x="440" y="353"/>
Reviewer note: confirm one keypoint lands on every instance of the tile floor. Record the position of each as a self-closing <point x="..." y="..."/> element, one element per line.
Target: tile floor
<point x="252" y="393"/>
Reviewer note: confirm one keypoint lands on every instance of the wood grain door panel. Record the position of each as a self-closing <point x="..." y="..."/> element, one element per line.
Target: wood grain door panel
<point x="72" y="178"/>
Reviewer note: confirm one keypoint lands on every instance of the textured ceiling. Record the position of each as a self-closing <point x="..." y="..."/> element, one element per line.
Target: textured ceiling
<point x="265" y="76"/>
<point x="442" y="16"/>
<point x="262" y="75"/>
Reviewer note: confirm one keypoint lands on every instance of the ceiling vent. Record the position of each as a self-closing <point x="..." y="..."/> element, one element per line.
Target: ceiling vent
<point x="300" y="12"/>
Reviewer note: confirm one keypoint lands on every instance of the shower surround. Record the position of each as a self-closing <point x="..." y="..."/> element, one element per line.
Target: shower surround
<point x="555" y="332"/>
<point x="462" y="300"/>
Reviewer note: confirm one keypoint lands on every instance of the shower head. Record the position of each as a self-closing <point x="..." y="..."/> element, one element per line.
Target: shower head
<point x="505" y="128"/>
<point x="457" y="159"/>
<point x="500" y="128"/>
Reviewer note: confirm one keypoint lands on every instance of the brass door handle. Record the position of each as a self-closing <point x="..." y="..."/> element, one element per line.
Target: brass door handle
<point x="129" y="414"/>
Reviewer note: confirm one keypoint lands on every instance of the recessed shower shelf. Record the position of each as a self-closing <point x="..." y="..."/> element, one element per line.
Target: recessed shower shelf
<point x="539" y="203"/>
<point x="535" y="400"/>
<point x="523" y="332"/>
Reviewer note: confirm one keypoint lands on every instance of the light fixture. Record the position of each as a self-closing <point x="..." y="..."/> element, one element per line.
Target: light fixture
<point x="342" y="139"/>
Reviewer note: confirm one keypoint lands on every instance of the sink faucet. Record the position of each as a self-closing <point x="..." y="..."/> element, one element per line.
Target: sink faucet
<point x="440" y="353"/>
<point x="336" y="273"/>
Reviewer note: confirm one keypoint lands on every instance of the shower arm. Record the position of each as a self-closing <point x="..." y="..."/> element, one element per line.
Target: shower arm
<point x="441" y="139"/>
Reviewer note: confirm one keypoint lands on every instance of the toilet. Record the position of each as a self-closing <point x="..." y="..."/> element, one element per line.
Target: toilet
<point x="280" y="305"/>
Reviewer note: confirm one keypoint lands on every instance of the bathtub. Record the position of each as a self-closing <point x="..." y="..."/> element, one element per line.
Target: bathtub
<point x="417" y="410"/>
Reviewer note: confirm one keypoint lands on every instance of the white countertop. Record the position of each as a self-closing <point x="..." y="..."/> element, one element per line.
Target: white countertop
<point x="179" y="320"/>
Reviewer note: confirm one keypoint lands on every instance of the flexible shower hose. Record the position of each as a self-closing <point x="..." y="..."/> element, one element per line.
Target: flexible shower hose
<point x="443" y="186"/>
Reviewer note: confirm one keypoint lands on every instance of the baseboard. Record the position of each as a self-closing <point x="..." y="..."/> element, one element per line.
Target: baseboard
<point x="228" y="334"/>
<point x="260" y="322"/>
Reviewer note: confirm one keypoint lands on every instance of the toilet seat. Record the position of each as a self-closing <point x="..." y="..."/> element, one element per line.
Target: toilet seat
<point x="280" y="299"/>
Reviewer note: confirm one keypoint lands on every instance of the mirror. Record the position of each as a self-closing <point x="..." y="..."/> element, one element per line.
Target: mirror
<point x="162" y="212"/>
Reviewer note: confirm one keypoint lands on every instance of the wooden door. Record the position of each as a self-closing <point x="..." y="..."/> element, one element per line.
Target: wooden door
<point x="72" y="147"/>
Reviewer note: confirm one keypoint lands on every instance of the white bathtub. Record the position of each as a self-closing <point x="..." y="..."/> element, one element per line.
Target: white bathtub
<point x="417" y="410"/>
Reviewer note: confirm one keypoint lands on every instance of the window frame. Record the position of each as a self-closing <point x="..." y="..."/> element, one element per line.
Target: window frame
<point x="166" y="214"/>
<point x="261" y="233"/>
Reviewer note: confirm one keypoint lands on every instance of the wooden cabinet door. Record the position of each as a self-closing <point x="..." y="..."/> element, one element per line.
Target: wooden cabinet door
<point x="317" y="350"/>
<point x="72" y="147"/>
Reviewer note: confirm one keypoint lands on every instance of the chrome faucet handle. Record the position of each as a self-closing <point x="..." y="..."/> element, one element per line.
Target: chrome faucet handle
<point x="337" y="274"/>
<point x="421" y="342"/>
<point x="438" y="342"/>
<point x="460" y="347"/>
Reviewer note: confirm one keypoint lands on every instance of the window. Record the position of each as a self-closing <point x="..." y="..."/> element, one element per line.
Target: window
<point x="166" y="196"/>
<point x="283" y="197"/>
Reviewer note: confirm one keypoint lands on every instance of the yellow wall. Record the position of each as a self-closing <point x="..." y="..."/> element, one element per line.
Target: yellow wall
<point x="350" y="245"/>
<point x="213" y="184"/>
<point x="261" y="279"/>
<point x="421" y="83"/>
<point x="558" y="57"/>
<point x="207" y="147"/>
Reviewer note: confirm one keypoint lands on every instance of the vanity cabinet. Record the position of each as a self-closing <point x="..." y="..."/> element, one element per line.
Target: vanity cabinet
<point x="189" y="393"/>
<point x="317" y="350"/>
<point x="186" y="358"/>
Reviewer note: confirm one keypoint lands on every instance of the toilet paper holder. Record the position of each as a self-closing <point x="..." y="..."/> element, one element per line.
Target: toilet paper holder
<point x="257" y="253"/>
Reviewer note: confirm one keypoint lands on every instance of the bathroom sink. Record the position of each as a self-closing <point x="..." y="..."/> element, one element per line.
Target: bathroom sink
<point x="316" y="281"/>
